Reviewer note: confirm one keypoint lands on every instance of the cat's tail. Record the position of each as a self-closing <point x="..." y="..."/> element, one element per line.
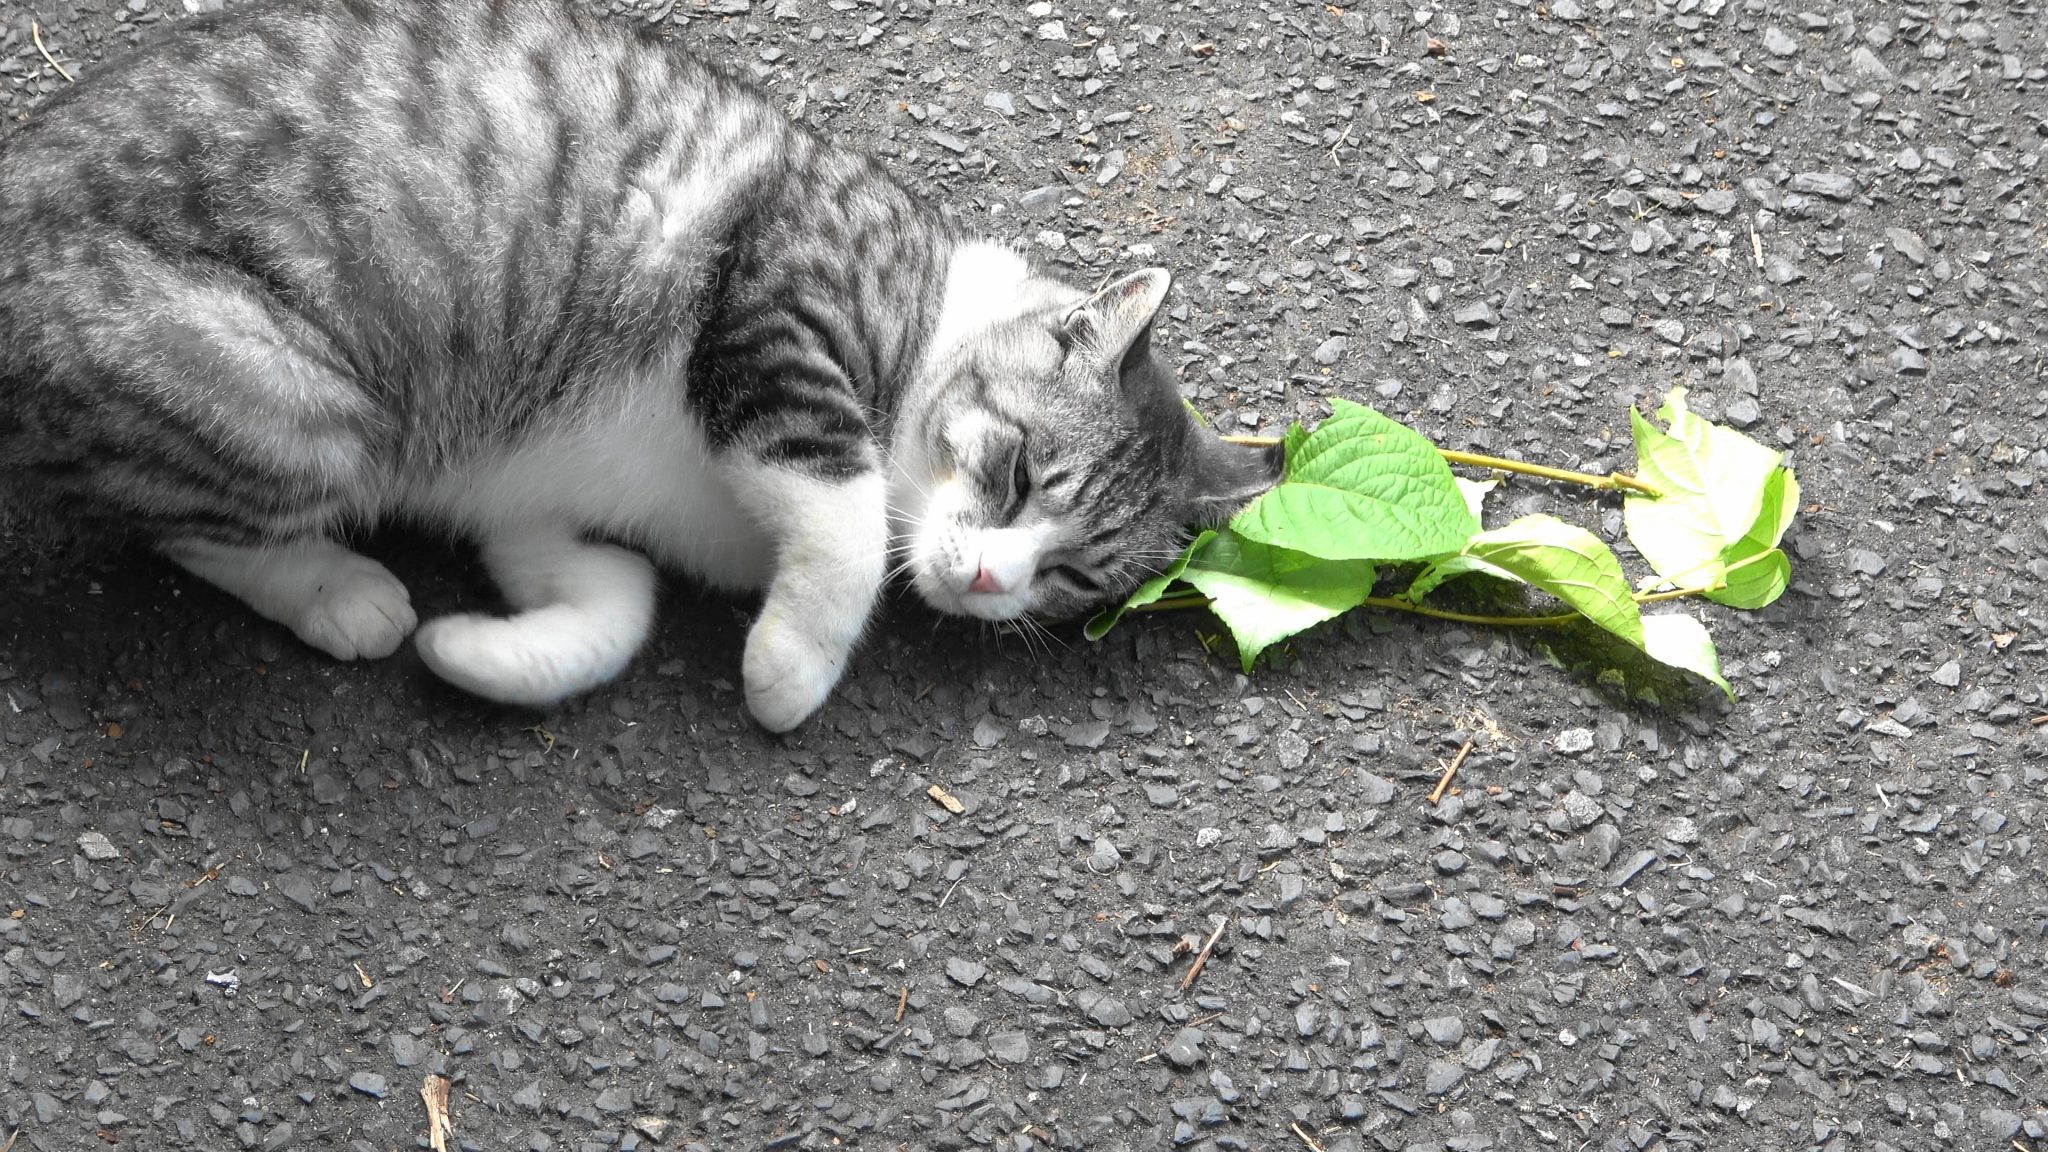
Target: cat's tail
<point x="583" y="611"/>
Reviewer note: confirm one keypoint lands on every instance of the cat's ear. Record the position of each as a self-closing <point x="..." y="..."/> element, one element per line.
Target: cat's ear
<point x="1223" y="477"/>
<point x="1117" y="322"/>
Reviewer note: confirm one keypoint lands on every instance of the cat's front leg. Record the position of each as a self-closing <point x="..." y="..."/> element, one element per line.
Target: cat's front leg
<point x="343" y="603"/>
<point x="832" y="547"/>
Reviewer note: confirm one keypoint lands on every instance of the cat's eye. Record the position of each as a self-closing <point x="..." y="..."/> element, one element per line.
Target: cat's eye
<point x="1074" y="576"/>
<point x="1020" y="476"/>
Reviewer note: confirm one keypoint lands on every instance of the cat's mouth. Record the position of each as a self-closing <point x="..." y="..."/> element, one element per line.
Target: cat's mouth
<point x="984" y="594"/>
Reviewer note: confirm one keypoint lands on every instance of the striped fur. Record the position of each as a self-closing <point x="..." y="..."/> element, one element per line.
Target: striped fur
<point x="538" y="279"/>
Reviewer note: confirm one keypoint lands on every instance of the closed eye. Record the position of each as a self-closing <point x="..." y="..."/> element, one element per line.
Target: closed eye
<point x="1020" y="477"/>
<point x="1073" y="576"/>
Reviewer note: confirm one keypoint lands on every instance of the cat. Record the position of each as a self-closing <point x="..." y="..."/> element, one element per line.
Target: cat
<point x="526" y="276"/>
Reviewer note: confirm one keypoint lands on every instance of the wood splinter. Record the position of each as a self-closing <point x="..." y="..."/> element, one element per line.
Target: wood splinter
<point x="1202" y="957"/>
<point x="35" y="32"/>
<point x="434" y="1094"/>
<point x="1443" y="783"/>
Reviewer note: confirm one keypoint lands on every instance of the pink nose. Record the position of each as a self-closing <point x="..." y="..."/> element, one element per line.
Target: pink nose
<point x="985" y="581"/>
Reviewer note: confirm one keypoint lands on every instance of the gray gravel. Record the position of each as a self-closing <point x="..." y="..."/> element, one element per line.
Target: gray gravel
<point x="249" y="898"/>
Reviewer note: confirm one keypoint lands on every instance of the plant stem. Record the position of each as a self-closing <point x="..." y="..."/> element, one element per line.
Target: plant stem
<point x="1674" y="593"/>
<point x="1397" y="604"/>
<point x="1173" y="603"/>
<point x="1608" y="482"/>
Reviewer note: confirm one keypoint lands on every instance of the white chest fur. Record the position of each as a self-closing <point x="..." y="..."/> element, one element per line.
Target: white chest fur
<point x="641" y="471"/>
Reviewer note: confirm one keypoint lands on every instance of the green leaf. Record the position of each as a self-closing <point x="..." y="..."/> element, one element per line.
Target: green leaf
<point x="1563" y="559"/>
<point x="1575" y="566"/>
<point x="1266" y="594"/>
<point x="1292" y="440"/>
<point x="1762" y="578"/>
<point x="1194" y="412"/>
<point x="1449" y="567"/>
<point x="1361" y="487"/>
<point x="1726" y="499"/>
<point x="1756" y="571"/>
<point x="1682" y="642"/>
<point x="1099" y="625"/>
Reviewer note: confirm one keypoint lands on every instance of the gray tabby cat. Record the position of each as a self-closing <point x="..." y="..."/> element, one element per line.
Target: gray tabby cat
<point x="529" y="277"/>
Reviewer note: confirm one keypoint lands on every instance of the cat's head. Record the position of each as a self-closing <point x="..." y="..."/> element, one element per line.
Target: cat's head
<point x="1054" y="467"/>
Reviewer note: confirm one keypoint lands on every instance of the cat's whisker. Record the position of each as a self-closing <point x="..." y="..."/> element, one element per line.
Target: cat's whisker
<point x="1002" y="630"/>
<point x="1046" y="635"/>
<point x="1027" y="630"/>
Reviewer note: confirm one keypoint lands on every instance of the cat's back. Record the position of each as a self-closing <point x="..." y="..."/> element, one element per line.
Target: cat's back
<point x="490" y="187"/>
<point x="473" y="98"/>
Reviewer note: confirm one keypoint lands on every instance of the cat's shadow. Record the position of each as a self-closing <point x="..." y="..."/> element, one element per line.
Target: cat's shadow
<point x="92" y="621"/>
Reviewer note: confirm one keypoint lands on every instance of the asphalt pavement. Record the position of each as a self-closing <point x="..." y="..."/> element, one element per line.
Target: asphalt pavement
<point x="253" y="898"/>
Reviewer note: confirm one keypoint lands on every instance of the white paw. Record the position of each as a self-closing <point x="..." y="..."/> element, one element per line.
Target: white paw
<point x="788" y="673"/>
<point x="357" y="610"/>
<point x="484" y="656"/>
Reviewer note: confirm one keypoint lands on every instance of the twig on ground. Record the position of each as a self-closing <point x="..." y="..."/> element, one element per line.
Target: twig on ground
<point x="1202" y="957"/>
<point x="434" y="1094"/>
<point x="1305" y="1138"/>
<point x="2039" y="720"/>
<point x="35" y="31"/>
<point x="945" y="799"/>
<point x="902" y="1002"/>
<point x="1443" y="783"/>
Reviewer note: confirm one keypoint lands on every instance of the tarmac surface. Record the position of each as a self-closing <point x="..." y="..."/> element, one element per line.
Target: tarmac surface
<point x="253" y="898"/>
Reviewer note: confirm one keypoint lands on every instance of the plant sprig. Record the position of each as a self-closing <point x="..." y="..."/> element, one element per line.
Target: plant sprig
<point x="1364" y="496"/>
<point x="1605" y="481"/>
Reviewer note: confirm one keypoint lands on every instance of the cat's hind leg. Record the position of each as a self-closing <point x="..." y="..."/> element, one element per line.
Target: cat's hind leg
<point x="583" y="610"/>
<point x="186" y="402"/>
<point x="345" y="604"/>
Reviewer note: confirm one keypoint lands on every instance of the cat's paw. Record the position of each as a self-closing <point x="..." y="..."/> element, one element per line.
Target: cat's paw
<point x="356" y="611"/>
<point x="788" y="672"/>
<point x="481" y="656"/>
<point x="534" y="660"/>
